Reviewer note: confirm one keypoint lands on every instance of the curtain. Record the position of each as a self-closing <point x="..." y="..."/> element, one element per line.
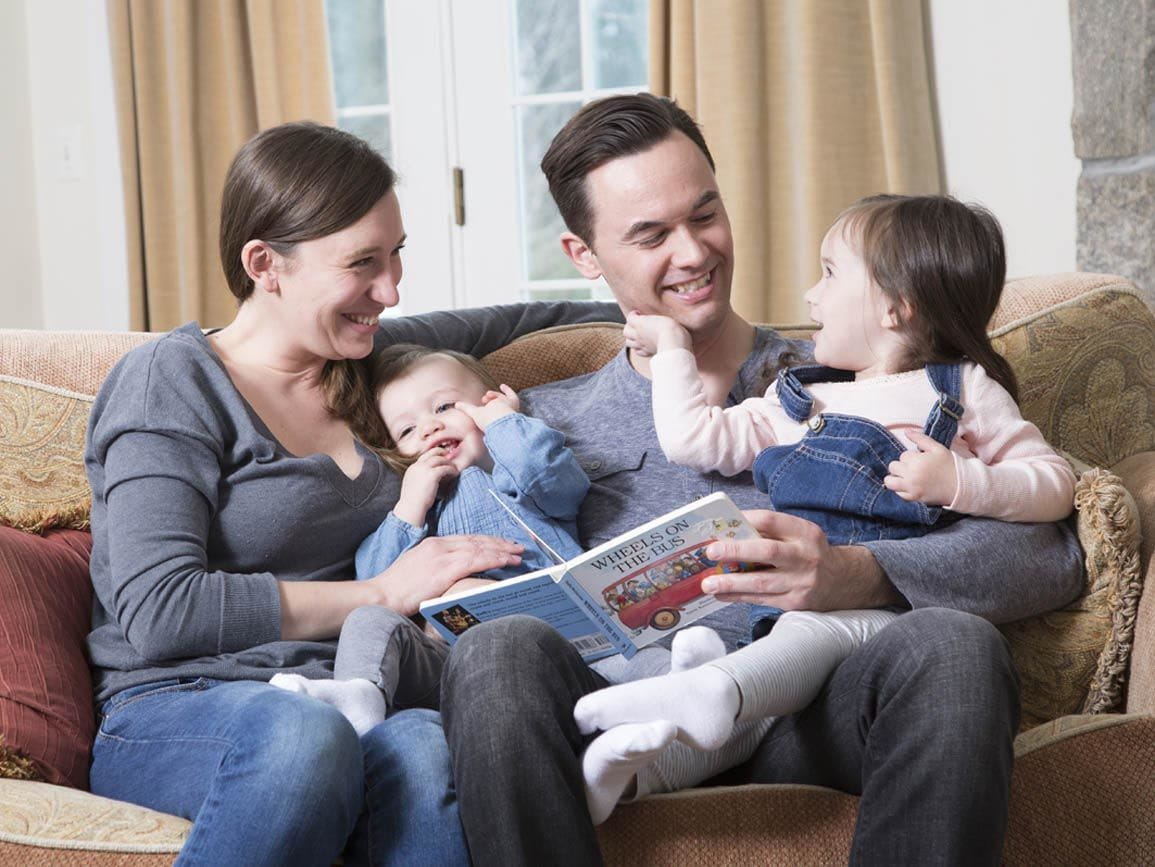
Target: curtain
<point x="194" y="80"/>
<point x="807" y="105"/>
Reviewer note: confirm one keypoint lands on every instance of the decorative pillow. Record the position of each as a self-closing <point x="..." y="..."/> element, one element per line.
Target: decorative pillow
<point x="555" y="353"/>
<point x="46" y="711"/>
<point x="42" y="479"/>
<point x="1089" y="641"/>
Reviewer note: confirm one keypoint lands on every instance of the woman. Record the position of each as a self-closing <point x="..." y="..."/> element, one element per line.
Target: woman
<point x="228" y="502"/>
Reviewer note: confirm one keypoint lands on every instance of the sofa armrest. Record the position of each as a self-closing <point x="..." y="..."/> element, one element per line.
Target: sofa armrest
<point x="1138" y="475"/>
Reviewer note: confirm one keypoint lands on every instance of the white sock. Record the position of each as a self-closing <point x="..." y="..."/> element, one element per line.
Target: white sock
<point x="702" y="702"/>
<point x="361" y="702"/>
<point x="611" y="761"/>
<point x="693" y="646"/>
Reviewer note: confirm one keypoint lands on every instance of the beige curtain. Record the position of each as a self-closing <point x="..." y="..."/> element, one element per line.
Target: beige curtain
<point x="807" y="105"/>
<point x="195" y="79"/>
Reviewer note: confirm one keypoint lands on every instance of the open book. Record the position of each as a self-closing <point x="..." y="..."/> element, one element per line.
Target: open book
<point x="619" y="596"/>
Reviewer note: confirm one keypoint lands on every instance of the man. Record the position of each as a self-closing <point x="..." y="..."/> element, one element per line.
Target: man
<point x="919" y="721"/>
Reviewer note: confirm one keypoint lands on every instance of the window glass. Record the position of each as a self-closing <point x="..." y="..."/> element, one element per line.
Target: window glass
<point x="569" y="52"/>
<point x="537" y="125"/>
<point x="374" y="127"/>
<point x="619" y="29"/>
<point x="358" y="54"/>
<point x="358" y="51"/>
<point x="548" y="46"/>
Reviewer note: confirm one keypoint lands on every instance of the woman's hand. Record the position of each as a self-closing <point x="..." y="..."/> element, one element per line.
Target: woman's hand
<point x="419" y="485"/>
<point x="435" y="564"/>
<point x="798" y="568"/>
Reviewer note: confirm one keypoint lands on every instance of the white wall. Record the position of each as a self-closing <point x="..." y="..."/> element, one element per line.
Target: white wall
<point x="20" y="295"/>
<point x="1003" y="77"/>
<point x="78" y="199"/>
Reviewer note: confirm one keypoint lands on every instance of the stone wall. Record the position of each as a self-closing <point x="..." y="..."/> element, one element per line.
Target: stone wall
<point x="1113" y="59"/>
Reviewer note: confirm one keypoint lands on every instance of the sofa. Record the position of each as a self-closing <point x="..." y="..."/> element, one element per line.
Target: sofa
<point x="1083" y="346"/>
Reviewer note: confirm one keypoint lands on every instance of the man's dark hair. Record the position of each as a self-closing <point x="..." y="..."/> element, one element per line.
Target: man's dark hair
<point x="605" y="130"/>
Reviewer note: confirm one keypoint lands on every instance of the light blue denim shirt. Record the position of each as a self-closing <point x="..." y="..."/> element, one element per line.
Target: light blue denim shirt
<point x="534" y="473"/>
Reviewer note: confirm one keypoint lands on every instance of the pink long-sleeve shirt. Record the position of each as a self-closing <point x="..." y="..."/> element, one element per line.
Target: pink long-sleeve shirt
<point x="1003" y="466"/>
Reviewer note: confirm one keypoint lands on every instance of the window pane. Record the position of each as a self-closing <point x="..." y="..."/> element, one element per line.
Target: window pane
<point x="568" y="294"/>
<point x="620" y="33"/>
<point x="357" y="50"/>
<point x="541" y="223"/>
<point x="548" y="46"/>
<point x="374" y="128"/>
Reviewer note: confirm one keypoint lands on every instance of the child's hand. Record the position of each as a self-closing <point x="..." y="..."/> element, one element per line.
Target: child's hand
<point x="647" y="334"/>
<point x="927" y="475"/>
<point x="494" y="405"/>
<point x="419" y="486"/>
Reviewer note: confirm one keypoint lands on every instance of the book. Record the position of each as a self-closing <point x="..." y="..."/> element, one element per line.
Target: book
<point x="619" y="596"/>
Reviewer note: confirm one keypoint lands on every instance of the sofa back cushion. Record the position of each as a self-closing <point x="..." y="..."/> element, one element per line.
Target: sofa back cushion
<point x="1085" y="369"/>
<point x="46" y="710"/>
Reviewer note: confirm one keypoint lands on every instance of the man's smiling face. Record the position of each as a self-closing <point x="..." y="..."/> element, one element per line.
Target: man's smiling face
<point x="661" y="236"/>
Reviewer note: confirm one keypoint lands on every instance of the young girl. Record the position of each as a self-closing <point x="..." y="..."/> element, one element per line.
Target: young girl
<point x="908" y="420"/>
<point x="458" y="439"/>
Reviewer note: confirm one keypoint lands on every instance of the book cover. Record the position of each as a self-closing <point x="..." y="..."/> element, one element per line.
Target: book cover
<point x="619" y="596"/>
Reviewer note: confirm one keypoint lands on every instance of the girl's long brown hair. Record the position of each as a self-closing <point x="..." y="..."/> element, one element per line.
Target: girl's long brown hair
<point x="943" y="261"/>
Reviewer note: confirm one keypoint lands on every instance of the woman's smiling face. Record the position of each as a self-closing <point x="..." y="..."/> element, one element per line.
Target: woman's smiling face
<point x="334" y="288"/>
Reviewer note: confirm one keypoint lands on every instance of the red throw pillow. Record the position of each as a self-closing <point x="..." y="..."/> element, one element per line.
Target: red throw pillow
<point x="45" y="686"/>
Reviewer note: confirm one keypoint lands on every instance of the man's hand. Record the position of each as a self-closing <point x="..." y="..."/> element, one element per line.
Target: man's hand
<point x="927" y="475"/>
<point x="650" y="334"/>
<point x="801" y="569"/>
<point x="419" y="485"/>
<point x="494" y="405"/>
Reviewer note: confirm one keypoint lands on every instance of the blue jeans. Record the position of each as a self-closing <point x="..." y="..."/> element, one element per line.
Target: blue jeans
<point x="272" y="777"/>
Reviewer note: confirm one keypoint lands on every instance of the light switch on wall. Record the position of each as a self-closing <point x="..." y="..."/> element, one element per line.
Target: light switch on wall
<point x="73" y="161"/>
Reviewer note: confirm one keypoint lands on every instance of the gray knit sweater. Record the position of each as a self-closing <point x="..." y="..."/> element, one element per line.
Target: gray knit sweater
<point x="197" y="510"/>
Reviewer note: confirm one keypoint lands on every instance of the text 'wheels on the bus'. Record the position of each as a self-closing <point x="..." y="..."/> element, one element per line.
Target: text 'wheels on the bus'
<point x="665" y="618"/>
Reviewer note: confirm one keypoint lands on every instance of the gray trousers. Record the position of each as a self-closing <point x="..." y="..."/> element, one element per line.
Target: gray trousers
<point x="919" y="722"/>
<point x="389" y="649"/>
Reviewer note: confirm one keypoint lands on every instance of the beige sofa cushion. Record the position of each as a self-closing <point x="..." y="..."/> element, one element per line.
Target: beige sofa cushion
<point x="42" y="479"/>
<point x="34" y="815"/>
<point x="1086" y="370"/>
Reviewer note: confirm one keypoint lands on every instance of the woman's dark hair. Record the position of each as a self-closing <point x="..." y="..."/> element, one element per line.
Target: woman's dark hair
<point x="387" y="366"/>
<point x="292" y="183"/>
<point x="605" y="130"/>
<point x="942" y="263"/>
<point x="297" y="182"/>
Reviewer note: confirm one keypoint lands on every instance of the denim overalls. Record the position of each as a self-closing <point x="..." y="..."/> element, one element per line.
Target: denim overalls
<point x="833" y="475"/>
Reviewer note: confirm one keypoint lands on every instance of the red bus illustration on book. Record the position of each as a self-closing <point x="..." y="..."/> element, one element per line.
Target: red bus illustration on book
<point x="656" y="594"/>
